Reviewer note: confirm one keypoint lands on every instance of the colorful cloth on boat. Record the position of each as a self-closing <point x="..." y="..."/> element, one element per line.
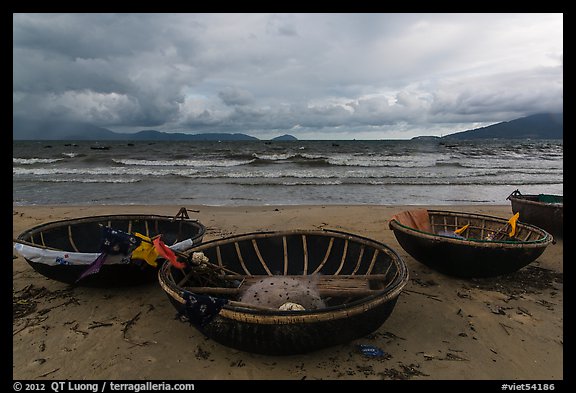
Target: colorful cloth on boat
<point x="167" y="253"/>
<point x="94" y="267"/>
<point x="115" y="241"/>
<point x="146" y="250"/>
<point x="460" y="230"/>
<point x="418" y="219"/>
<point x="201" y="309"/>
<point x="512" y="223"/>
<point x="56" y="257"/>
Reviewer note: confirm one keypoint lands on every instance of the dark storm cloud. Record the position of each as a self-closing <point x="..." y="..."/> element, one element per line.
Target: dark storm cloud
<point x="233" y="96"/>
<point x="371" y="75"/>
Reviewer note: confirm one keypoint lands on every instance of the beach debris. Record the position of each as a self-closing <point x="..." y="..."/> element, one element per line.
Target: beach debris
<point x="201" y="354"/>
<point x="545" y="303"/>
<point x="371" y="351"/>
<point x="451" y="356"/>
<point x="495" y="309"/>
<point x="505" y="327"/>
<point x="524" y="311"/>
<point x="428" y="356"/>
<point x="48" y="373"/>
<point x="391" y="335"/>
<point x="367" y="370"/>
<point x="428" y="295"/>
<point x="127" y="325"/>
<point x="96" y="324"/>
<point x="25" y="303"/>
<point x="422" y="283"/>
<point x="408" y="371"/>
<point x="76" y="329"/>
<point x="531" y="279"/>
<point x="237" y="363"/>
<point x="48" y="309"/>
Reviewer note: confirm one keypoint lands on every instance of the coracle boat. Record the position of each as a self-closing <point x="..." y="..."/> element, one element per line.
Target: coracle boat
<point x="468" y="245"/>
<point x="543" y="210"/>
<point x="64" y="250"/>
<point x="286" y="292"/>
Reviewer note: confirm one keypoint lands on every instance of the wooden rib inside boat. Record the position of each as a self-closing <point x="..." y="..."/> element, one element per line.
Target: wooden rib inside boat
<point x="290" y="292"/>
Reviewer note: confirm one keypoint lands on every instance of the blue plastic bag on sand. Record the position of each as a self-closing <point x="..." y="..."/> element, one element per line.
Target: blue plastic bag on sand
<point x="371" y="351"/>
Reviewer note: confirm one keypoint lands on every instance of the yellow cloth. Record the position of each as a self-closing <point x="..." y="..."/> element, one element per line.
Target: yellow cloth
<point x="459" y="231"/>
<point x="512" y="222"/>
<point x="146" y="250"/>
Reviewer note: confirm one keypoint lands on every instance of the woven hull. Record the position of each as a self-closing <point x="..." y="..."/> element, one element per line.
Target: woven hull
<point x="548" y="216"/>
<point x="300" y="254"/>
<point x="471" y="257"/>
<point x="297" y="337"/>
<point x="109" y="275"/>
<point x="81" y="237"/>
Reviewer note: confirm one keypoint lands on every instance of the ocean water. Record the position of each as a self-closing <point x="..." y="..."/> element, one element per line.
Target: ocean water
<point x="406" y="172"/>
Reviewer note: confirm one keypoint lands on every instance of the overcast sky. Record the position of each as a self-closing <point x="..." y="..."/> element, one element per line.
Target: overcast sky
<point x="315" y="76"/>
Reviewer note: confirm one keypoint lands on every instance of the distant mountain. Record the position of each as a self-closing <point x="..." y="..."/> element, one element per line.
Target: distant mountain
<point x="60" y="130"/>
<point x="151" y="135"/>
<point x="24" y="129"/>
<point x="285" y="137"/>
<point x="539" y="126"/>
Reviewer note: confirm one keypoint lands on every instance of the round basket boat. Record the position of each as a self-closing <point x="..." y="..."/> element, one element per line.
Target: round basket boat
<point x="63" y="250"/>
<point x="483" y="249"/>
<point x="545" y="211"/>
<point x="343" y="287"/>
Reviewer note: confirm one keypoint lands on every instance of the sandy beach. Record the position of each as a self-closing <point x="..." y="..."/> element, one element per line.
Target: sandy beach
<point x="442" y="328"/>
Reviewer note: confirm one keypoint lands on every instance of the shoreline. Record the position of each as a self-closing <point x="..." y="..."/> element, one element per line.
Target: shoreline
<point x="442" y="328"/>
